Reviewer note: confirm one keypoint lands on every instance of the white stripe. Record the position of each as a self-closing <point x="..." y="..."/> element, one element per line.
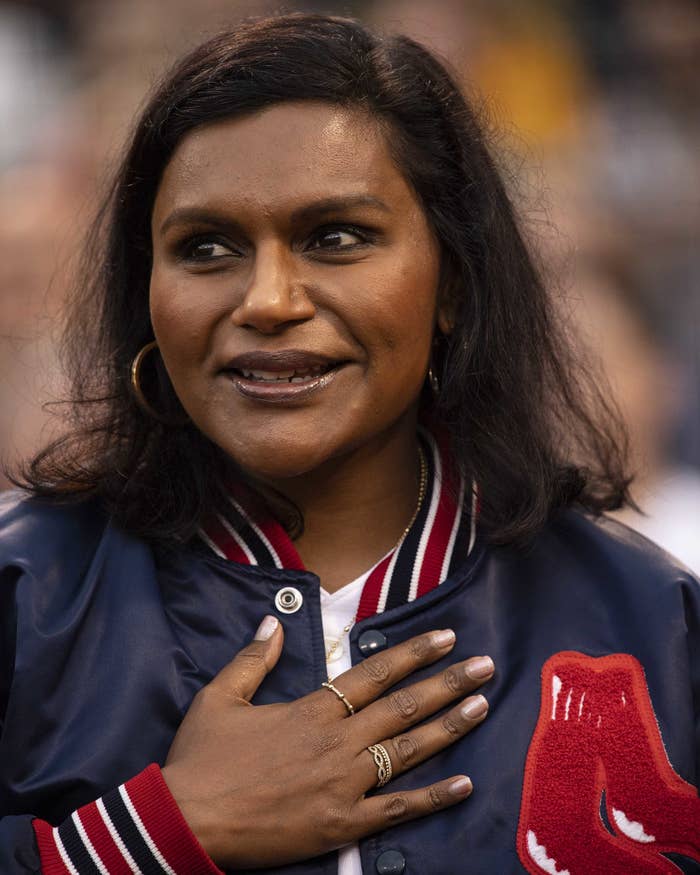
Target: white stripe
<point x="475" y="505"/>
<point x="238" y="538"/>
<point x="453" y="534"/>
<point x="88" y="844"/>
<point x="273" y="553"/>
<point x="144" y="832"/>
<point x="430" y="519"/>
<point x="116" y="838"/>
<point x="62" y="851"/>
<point x="207" y="540"/>
<point x="384" y="592"/>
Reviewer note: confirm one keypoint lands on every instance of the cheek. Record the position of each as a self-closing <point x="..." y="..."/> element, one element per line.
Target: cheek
<point x="182" y="321"/>
<point x="404" y="315"/>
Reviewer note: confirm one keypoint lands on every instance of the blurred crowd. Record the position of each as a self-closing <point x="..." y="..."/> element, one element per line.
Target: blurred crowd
<point x="594" y="110"/>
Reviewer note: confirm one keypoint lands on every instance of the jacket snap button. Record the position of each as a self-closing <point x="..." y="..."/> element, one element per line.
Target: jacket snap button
<point x="289" y="600"/>
<point x="391" y="863"/>
<point x="371" y="641"/>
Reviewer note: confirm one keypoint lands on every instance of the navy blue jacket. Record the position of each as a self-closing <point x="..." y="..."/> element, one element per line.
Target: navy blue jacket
<point x="104" y="640"/>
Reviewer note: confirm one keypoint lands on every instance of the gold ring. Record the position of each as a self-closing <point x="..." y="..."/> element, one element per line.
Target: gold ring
<point x="382" y="760"/>
<point x="342" y="698"/>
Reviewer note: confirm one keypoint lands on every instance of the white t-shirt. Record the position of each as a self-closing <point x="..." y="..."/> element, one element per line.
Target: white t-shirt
<point x="338" y="610"/>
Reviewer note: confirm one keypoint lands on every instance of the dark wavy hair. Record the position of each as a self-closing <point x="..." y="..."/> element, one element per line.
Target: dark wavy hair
<point x="530" y="425"/>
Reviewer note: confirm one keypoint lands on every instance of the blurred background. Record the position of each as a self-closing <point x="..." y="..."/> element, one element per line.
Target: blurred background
<point x="594" y="107"/>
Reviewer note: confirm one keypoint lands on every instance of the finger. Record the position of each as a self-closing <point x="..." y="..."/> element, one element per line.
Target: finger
<point x="242" y="676"/>
<point x="378" y="813"/>
<point x="407" y="750"/>
<point x="402" y="708"/>
<point x="378" y="673"/>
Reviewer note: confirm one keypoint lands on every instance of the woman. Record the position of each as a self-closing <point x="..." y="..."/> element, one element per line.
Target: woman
<point x="319" y="393"/>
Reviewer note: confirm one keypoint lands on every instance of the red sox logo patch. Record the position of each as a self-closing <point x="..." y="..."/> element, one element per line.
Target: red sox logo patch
<point x="597" y="743"/>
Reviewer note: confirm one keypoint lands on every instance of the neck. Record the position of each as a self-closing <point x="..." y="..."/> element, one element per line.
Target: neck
<point x="356" y="508"/>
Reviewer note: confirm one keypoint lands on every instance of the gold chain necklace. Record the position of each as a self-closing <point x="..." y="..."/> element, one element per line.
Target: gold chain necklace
<point x="421" y="495"/>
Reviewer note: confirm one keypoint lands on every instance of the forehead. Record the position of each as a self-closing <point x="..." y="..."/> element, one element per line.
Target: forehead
<point x="283" y="154"/>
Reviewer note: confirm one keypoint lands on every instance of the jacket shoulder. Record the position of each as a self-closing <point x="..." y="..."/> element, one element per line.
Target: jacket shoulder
<point x="34" y="532"/>
<point x="614" y="547"/>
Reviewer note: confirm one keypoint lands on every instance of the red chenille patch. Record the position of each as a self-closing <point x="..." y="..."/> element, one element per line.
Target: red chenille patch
<point x="597" y="732"/>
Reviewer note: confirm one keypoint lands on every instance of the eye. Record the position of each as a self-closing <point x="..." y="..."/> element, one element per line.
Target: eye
<point x="336" y="238"/>
<point x="201" y="249"/>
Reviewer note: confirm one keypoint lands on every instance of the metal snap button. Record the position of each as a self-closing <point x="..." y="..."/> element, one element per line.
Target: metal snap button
<point x="371" y="641"/>
<point x="390" y="863"/>
<point x="288" y="600"/>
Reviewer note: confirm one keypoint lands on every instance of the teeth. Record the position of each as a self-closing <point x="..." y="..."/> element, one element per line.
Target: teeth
<point x="285" y="376"/>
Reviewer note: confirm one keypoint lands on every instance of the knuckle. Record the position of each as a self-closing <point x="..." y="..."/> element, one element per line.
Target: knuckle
<point x="310" y="709"/>
<point x="451" y="725"/>
<point x="433" y="798"/>
<point x="376" y="669"/>
<point x="330" y="740"/>
<point x="396" y="807"/>
<point x="405" y="749"/>
<point x="403" y="703"/>
<point x="250" y="658"/>
<point x="420" y="647"/>
<point x="334" y="823"/>
<point x="453" y="679"/>
<point x="209" y="696"/>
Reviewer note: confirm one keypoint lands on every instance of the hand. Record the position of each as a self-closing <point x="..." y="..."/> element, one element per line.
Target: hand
<point x="267" y="785"/>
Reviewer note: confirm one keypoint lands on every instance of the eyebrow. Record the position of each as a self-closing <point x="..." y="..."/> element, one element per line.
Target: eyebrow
<point x="317" y="209"/>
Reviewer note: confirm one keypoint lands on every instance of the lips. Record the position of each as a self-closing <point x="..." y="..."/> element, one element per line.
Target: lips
<point x="298" y="375"/>
<point x="282" y="375"/>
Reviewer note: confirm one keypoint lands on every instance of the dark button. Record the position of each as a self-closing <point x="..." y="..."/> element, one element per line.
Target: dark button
<point x="371" y="641"/>
<point x="391" y="863"/>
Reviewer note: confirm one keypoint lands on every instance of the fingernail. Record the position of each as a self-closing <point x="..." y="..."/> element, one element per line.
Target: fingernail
<point x="480" y="667"/>
<point x="267" y="628"/>
<point x="460" y="786"/>
<point x="475" y="707"/>
<point x="443" y="637"/>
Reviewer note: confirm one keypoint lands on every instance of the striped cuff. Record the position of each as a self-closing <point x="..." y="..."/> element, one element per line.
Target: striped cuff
<point x="135" y="828"/>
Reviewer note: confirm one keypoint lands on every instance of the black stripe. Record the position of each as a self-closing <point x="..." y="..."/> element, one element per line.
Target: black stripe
<point x="130" y="835"/>
<point x="254" y="543"/>
<point x="75" y="848"/>
<point x="400" y="583"/>
<point x="460" y="553"/>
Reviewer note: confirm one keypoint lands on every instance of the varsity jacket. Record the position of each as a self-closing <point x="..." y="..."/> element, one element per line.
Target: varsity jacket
<point x="588" y="762"/>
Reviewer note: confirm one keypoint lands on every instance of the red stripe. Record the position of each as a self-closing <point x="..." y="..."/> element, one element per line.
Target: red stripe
<point x="439" y="538"/>
<point x="218" y="534"/>
<point x="369" y="600"/>
<point x="102" y="841"/>
<point x="51" y="862"/>
<point x="281" y="542"/>
<point x="166" y="826"/>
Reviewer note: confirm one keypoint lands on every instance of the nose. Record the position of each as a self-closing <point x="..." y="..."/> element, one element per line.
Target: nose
<point x="274" y="295"/>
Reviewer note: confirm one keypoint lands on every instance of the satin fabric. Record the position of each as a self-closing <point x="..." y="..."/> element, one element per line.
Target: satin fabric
<point x="104" y="641"/>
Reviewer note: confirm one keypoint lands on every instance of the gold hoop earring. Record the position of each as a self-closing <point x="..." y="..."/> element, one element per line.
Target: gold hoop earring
<point x="138" y="391"/>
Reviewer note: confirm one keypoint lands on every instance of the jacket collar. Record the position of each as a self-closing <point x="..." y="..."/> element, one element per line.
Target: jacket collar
<point x="442" y="535"/>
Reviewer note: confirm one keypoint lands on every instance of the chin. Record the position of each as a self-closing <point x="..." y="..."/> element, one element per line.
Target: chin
<point x="278" y="461"/>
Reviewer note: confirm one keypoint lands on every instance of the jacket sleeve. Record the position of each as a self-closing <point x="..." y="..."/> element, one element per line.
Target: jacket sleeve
<point x="136" y="827"/>
<point x="691" y="599"/>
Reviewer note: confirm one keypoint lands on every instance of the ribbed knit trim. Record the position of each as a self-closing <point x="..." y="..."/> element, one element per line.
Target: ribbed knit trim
<point x="136" y="828"/>
<point x="422" y="559"/>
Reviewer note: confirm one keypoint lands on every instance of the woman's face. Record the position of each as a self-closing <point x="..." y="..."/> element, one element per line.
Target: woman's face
<point x="294" y="289"/>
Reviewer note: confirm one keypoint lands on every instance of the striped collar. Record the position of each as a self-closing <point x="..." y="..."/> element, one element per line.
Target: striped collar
<point x="423" y="558"/>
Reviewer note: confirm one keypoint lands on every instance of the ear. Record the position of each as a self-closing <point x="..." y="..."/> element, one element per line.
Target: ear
<point x="447" y="310"/>
<point x="445" y="320"/>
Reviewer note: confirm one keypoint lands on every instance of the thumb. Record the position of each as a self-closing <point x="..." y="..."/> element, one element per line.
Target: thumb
<point x="247" y="670"/>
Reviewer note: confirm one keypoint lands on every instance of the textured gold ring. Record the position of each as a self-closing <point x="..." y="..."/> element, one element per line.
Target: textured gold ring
<point x="329" y="686"/>
<point x="382" y="760"/>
